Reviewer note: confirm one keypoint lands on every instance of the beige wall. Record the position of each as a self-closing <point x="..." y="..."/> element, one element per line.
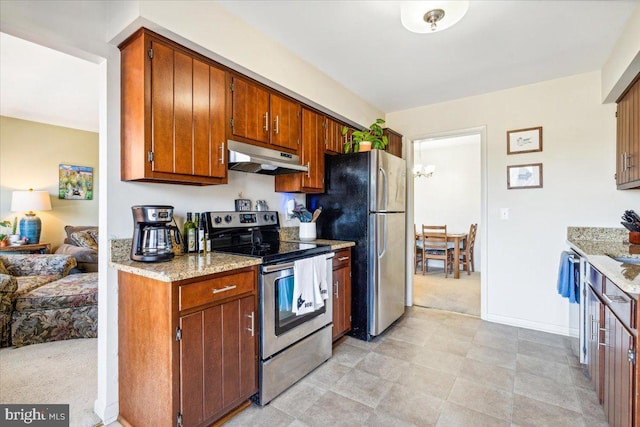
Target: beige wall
<point x="30" y="153"/>
<point x="579" y="164"/>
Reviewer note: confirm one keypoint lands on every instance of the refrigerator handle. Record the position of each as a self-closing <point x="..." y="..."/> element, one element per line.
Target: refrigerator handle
<point x="382" y="231"/>
<point x="385" y="188"/>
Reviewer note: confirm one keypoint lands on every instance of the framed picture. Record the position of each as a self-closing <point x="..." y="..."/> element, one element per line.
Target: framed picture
<point x="524" y="140"/>
<point x="524" y="176"/>
<point x="75" y="183"/>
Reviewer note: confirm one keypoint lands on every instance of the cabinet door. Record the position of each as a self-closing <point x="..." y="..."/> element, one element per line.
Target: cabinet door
<point x="594" y="350"/>
<point x="334" y="141"/>
<point x="618" y="371"/>
<point x="395" y="142"/>
<point x="218" y="360"/>
<point x="250" y="111"/>
<point x="285" y="124"/>
<point x="628" y="138"/>
<point x="313" y="150"/>
<point x="338" y="304"/>
<point x="209" y="94"/>
<point x="162" y="101"/>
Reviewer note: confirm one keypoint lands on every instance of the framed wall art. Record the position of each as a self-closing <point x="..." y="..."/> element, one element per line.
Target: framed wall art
<point x="524" y="140"/>
<point x="75" y="182"/>
<point x="524" y="176"/>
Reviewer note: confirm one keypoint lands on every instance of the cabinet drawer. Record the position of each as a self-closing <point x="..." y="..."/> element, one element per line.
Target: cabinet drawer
<point x="595" y="279"/>
<point x="342" y="258"/>
<point x="199" y="293"/>
<point x="620" y="303"/>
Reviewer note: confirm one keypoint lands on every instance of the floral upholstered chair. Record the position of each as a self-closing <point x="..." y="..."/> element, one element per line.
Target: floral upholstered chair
<point x="21" y="274"/>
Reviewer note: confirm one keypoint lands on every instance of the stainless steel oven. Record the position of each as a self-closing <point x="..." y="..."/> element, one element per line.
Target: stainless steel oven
<point x="291" y="345"/>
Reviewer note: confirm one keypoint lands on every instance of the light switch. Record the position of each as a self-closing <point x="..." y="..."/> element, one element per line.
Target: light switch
<point x="504" y="213"/>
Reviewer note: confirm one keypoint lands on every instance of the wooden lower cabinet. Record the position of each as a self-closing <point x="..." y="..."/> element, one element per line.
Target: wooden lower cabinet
<point x="341" y="293"/>
<point x="186" y="367"/>
<point x="611" y="349"/>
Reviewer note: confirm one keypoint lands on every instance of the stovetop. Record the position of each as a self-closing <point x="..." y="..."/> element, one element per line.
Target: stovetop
<point x="278" y="251"/>
<point x="256" y="234"/>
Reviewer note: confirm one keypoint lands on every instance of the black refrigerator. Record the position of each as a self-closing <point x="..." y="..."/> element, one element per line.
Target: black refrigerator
<point x="364" y="201"/>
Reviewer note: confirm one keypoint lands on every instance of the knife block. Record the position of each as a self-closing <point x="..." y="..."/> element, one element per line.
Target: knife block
<point x="634" y="237"/>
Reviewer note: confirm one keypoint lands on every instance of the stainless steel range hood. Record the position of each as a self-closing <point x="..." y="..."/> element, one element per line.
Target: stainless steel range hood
<point x="253" y="159"/>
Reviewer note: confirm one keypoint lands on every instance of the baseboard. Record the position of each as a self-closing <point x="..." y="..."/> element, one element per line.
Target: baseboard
<point x="536" y="326"/>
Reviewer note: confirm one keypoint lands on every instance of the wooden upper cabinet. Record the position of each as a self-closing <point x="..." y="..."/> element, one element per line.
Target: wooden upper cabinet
<point x="249" y="110"/>
<point x="173" y="110"/>
<point x="395" y="142"/>
<point x="334" y="143"/>
<point x="262" y="117"/>
<point x="312" y="155"/>
<point x="628" y="138"/>
<point x="285" y="114"/>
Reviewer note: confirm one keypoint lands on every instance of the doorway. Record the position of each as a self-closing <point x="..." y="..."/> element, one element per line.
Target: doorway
<point x="447" y="191"/>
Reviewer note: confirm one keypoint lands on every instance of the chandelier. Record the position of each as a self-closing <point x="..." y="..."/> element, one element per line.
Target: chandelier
<point x="420" y="171"/>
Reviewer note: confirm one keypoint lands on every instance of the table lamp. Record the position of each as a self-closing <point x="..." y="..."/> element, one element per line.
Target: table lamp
<point x="29" y="201"/>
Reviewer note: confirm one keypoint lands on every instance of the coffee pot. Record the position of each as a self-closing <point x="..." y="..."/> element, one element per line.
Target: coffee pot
<point x="152" y="233"/>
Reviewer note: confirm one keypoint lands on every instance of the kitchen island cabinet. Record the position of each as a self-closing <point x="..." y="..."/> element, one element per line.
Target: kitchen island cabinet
<point x="628" y="138"/>
<point x="341" y="293"/>
<point x="611" y="347"/>
<point x="173" y="111"/>
<point x="188" y="348"/>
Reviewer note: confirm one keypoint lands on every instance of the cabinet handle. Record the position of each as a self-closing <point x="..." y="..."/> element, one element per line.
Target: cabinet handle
<point x="308" y="169"/>
<point x="266" y="121"/>
<point x="606" y="336"/>
<point x="615" y="298"/>
<point x="343" y="258"/>
<point x="252" y="329"/>
<point x="629" y="165"/>
<point x="277" y="128"/>
<point x="222" y="154"/>
<point x="336" y="293"/>
<point x="228" y="288"/>
<point x="594" y="334"/>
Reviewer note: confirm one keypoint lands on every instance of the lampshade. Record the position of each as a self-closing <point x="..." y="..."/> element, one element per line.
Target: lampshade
<point x="431" y="16"/>
<point x="29" y="201"/>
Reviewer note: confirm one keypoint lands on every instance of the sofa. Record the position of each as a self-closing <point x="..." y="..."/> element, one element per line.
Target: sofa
<point x="40" y="301"/>
<point x="82" y="243"/>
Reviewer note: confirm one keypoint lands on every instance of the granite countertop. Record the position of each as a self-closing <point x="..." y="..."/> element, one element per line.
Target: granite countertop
<point x="189" y="266"/>
<point x="597" y="244"/>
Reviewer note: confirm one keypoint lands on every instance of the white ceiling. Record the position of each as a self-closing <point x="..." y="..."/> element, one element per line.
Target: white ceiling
<point x="47" y="86"/>
<point x="497" y="45"/>
<point x="361" y="44"/>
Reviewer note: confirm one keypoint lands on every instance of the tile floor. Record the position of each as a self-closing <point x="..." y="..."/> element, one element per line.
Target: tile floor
<point x="437" y="368"/>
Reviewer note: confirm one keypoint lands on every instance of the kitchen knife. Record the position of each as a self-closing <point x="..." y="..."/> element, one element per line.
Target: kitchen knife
<point x="630" y="226"/>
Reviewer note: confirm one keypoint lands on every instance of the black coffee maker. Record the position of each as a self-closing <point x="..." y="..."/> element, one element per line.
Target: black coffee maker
<point x="152" y="232"/>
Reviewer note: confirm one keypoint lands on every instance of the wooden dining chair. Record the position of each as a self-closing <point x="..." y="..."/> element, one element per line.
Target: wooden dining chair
<point x="466" y="250"/>
<point x="436" y="246"/>
<point x="417" y="248"/>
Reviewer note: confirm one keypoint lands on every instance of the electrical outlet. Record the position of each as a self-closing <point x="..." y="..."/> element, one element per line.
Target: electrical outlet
<point x="504" y="213"/>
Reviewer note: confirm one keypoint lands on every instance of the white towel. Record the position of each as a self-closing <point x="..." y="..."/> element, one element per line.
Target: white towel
<point x="303" y="286"/>
<point x="320" y="270"/>
<point x="310" y="286"/>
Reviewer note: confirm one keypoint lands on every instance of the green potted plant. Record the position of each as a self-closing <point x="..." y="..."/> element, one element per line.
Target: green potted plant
<point x="365" y="140"/>
<point x="13" y="237"/>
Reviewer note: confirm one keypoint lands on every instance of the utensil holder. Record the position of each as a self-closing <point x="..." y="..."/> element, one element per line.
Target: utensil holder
<point x="634" y="237"/>
<point x="307" y="231"/>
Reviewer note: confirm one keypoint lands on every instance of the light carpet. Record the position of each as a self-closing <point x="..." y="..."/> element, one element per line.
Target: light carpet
<point x="458" y="295"/>
<point x="54" y="372"/>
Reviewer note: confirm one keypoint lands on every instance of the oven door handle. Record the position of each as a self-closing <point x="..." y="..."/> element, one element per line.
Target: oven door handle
<point x="285" y="266"/>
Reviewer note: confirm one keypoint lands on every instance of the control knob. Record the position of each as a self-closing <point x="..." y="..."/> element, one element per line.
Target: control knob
<point x="227" y="218"/>
<point x="218" y="220"/>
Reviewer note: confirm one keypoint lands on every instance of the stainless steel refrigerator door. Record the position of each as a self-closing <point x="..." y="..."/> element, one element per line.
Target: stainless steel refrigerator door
<point x="388" y="180"/>
<point x="387" y="267"/>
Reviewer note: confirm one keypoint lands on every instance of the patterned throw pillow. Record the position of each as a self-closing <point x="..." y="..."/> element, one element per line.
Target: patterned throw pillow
<point x="84" y="240"/>
<point x="3" y="269"/>
<point x="94" y="234"/>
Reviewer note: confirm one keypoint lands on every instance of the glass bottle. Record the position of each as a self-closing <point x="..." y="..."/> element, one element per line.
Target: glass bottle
<point x="189" y="234"/>
<point x="202" y="243"/>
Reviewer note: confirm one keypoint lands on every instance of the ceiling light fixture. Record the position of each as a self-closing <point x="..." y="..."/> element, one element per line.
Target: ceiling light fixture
<point x="420" y="171"/>
<point x="431" y="16"/>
